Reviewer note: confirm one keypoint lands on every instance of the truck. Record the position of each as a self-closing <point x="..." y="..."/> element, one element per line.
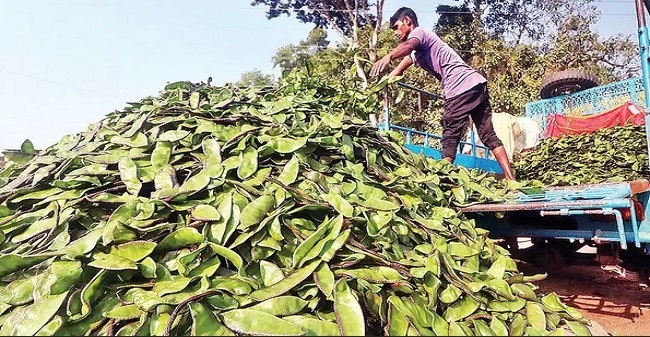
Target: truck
<point x="613" y="218"/>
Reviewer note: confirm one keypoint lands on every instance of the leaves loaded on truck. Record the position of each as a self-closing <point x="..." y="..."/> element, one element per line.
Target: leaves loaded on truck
<point x="607" y="155"/>
<point x="260" y="211"/>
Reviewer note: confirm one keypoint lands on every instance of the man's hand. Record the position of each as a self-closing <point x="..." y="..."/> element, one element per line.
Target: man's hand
<point x="379" y="66"/>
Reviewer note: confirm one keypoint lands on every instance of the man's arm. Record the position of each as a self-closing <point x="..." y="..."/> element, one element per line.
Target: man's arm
<point x="403" y="49"/>
<point x="406" y="62"/>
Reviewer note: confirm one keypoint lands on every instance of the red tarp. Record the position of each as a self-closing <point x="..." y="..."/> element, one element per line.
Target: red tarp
<point x="560" y="125"/>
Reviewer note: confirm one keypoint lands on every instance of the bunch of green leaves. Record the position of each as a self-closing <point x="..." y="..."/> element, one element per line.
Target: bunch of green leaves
<point x="606" y="155"/>
<point x="260" y="211"/>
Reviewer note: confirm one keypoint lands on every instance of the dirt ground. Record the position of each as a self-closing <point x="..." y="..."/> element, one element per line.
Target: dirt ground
<point x="619" y="306"/>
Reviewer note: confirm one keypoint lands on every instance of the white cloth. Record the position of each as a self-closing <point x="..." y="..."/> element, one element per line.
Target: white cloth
<point x="531" y="133"/>
<point x="506" y="128"/>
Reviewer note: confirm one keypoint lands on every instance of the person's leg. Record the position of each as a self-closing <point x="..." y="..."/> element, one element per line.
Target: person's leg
<point x="453" y="123"/>
<point x="482" y="116"/>
<point x="502" y="158"/>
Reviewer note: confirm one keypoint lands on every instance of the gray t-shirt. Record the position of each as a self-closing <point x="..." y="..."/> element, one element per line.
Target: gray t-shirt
<point x="436" y="57"/>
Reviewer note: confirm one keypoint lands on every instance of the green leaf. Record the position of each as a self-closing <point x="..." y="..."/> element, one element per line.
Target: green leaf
<point x="10" y="263"/>
<point x="212" y="151"/>
<point x="499" y="267"/>
<point x="248" y="166"/>
<point x="58" y="279"/>
<point x="270" y="273"/>
<point x="381" y="205"/>
<point x="287" y="145"/>
<point x="349" y="315"/>
<point x="194" y="100"/>
<point x="179" y="238"/>
<point x="517" y="325"/>
<point x="129" y="175"/>
<point x="206" y="213"/>
<point x="256" y="211"/>
<point x="134" y="251"/>
<point x="325" y="245"/>
<point x="461" y="309"/>
<point x="313" y="326"/>
<point x="578" y="328"/>
<point x="221" y="231"/>
<point x="174" y="285"/>
<point x="18" y="292"/>
<point x="553" y="302"/>
<point x="325" y="280"/>
<point x="28" y="147"/>
<point x="137" y="140"/>
<point x="51" y="328"/>
<point x="330" y="249"/>
<point x="36" y="228"/>
<point x="173" y="135"/>
<point x="482" y="328"/>
<point x="459" y="249"/>
<point x="83" y="245"/>
<point x="253" y="322"/>
<point x="339" y="203"/>
<point x="450" y="294"/>
<point x="147" y="268"/>
<point x="347" y="147"/>
<point x="499" y="328"/>
<point x="502" y="287"/>
<point x="281" y="305"/>
<point x="41" y="194"/>
<point x="120" y="216"/>
<point x="112" y="262"/>
<point x="124" y="312"/>
<point x="205" y="323"/>
<point x="286" y="284"/>
<point x="535" y="315"/>
<point x="524" y="291"/>
<point x="308" y="244"/>
<point x="27" y="320"/>
<point x="398" y="323"/>
<point x="290" y="171"/>
<point x="230" y="255"/>
<point x="161" y="155"/>
<point x="196" y="182"/>
<point x="378" y="274"/>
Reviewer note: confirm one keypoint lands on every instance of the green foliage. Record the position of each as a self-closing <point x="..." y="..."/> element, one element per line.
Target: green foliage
<point x="323" y="13"/>
<point x="254" y="211"/>
<point x="255" y="78"/>
<point x="515" y="44"/>
<point x="611" y="154"/>
<point x="300" y="55"/>
<point x="576" y="45"/>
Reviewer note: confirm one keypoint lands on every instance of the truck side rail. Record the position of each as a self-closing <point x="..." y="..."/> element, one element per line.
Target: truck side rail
<point x="479" y="157"/>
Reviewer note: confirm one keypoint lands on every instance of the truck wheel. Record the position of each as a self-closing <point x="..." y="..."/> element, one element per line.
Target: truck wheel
<point x="567" y="82"/>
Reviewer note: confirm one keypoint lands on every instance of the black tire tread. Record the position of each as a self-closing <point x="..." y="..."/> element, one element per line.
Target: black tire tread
<point x="576" y="79"/>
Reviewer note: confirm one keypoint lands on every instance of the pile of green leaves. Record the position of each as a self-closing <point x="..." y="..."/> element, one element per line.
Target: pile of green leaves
<point x="606" y="155"/>
<point x="221" y="211"/>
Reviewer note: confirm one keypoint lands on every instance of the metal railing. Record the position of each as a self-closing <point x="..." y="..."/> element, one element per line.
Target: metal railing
<point x="386" y="125"/>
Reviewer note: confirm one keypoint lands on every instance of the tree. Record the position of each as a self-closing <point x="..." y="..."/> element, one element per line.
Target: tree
<point x="513" y="59"/>
<point x="576" y="45"/>
<point x="293" y="56"/>
<point x="518" y="21"/>
<point x="255" y="78"/>
<point x="520" y="42"/>
<point x="347" y="17"/>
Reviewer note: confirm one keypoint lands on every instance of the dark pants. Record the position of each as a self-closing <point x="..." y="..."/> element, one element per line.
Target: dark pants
<point x="473" y="103"/>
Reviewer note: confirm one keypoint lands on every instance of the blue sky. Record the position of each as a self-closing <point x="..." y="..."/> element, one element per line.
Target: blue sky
<point x="65" y="64"/>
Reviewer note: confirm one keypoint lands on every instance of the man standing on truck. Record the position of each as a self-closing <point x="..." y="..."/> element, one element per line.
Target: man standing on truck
<point x="465" y="89"/>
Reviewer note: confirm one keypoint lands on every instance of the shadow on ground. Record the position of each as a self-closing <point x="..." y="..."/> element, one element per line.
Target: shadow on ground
<point x="620" y="307"/>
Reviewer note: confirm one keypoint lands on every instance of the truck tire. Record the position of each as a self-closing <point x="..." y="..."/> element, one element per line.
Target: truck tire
<point x="567" y="82"/>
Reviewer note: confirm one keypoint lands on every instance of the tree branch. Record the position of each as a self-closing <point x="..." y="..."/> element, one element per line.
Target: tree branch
<point x="330" y="21"/>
